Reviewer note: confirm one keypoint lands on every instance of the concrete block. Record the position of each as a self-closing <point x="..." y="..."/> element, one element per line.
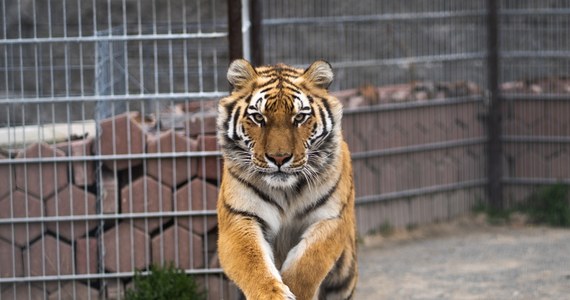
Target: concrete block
<point x="209" y="167"/>
<point x="126" y="248"/>
<point x="71" y="201"/>
<point x="48" y="256"/>
<point x="110" y="192"/>
<point x="22" y="206"/>
<point x="146" y="195"/>
<point x="86" y="253"/>
<point x="10" y="260"/>
<point x="21" y="291"/>
<point x="197" y="195"/>
<point x="121" y="134"/>
<point x="8" y="180"/>
<point x="74" y="290"/>
<point x="180" y="246"/>
<point x="41" y="179"/>
<point x="171" y="171"/>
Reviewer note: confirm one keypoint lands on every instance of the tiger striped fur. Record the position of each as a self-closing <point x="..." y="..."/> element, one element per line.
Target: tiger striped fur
<point x="286" y="203"/>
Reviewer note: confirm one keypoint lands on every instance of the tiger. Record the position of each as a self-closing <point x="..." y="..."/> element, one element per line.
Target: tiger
<point x="286" y="221"/>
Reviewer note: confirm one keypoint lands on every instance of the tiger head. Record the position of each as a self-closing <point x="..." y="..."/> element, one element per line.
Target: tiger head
<point x="279" y="123"/>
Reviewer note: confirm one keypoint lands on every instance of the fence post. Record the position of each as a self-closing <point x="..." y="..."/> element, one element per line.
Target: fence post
<point x="235" y="29"/>
<point x="494" y="146"/>
<point x="256" y="38"/>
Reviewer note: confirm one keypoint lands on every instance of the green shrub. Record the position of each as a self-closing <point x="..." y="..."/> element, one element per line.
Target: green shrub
<point x="550" y="205"/>
<point x="164" y="283"/>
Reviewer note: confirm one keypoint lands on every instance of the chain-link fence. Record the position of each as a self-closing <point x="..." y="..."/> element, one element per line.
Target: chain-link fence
<point x="108" y="156"/>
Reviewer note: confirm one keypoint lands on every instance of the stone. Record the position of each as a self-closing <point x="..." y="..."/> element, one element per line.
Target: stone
<point x="126" y="248"/>
<point x="171" y="171"/>
<point x="71" y="201"/>
<point x="86" y="253"/>
<point x="179" y="246"/>
<point x="83" y="172"/>
<point x="121" y="134"/>
<point x="48" y="256"/>
<point x="197" y="195"/>
<point x="7" y="175"/>
<point x="10" y="260"/>
<point x="109" y="192"/>
<point x="209" y="167"/>
<point x="146" y="195"/>
<point x="201" y="123"/>
<point x="41" y="179"/>
<point x="22" y="291"/>
<point x="22" y="206"/>
<point x="74" y="290"/>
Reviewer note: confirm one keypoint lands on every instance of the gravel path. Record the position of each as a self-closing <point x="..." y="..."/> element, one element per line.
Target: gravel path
<point x="468" y="262"/>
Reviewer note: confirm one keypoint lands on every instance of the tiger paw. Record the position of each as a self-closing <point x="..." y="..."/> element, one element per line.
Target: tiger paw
<point x="279" y="291"/>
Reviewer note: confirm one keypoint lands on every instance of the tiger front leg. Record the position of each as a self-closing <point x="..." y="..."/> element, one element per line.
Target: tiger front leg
<point x="247" y="259"/>
<point x="308" y="263"/>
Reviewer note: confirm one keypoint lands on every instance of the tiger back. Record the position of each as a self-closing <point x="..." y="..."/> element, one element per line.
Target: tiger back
<point x="286" y="202"/>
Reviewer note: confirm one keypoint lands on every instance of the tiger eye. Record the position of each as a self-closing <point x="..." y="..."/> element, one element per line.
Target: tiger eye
<point x="300" y="118"/>
<point x="258" y="118"/>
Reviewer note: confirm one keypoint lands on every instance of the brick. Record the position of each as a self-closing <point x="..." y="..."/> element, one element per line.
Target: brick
<point x="74" y="290"/>
<point x="10" y="260"/>
<point x="22" y="206"/>
<point x="126" y="248"/>
<point x="110" y="192"/>
<point x="121" y="134"/>
<point x="197" y="195"/>
<point x="179" y="246"/>
<point x="71" y="201"/>
<point x="209" y="167"/>
<point x="171" y="171"/>
<point x="48" y="256"/>
<point x="22" y="291"/>
<point x="86" y="252"/>
<point x="41" y="179"/>
<point x="146" y="195"/>
<point x="7" y="175"/>
<point x="201" y="123"/>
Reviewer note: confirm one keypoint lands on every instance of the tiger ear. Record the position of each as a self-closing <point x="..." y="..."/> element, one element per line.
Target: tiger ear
<point x="319" y="73"/>
<point x="240" y="73"/>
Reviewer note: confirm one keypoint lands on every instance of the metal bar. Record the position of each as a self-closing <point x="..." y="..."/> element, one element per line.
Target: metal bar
<point x="414" y="104"/>
<point x="234" y="29"/>
<point x="410" y="60"/>
<point x="420" y="191"/>
<point x="535" y="181"/>
<point x="535" y="139"/>
<point x="563" y="54"/>
<point x="98" y="276"/>
<point x="256" y="37"/>
<point x="419" y="148"/>
<point x="142" y="215"/>
<point x="131" y="156"/>
<point x="193" y="96"/>
<point x="535" y="12"/>
<point x="114" y="38"/>
<point x="494" y="146"/>
<point x="374" y="18"/>
<point x="536" y="97"/>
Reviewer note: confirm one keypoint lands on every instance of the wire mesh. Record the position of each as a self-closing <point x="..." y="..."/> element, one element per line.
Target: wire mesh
<point x="109" y="160"/>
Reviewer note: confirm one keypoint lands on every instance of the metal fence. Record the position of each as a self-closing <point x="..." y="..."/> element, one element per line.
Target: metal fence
<point x="107" y="119"/>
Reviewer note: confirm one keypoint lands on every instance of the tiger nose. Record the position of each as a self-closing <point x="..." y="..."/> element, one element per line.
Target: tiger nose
<point x="279" y="158"/>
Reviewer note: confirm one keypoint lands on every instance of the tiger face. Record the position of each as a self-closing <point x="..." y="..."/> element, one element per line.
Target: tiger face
<point x="279" y="124"/>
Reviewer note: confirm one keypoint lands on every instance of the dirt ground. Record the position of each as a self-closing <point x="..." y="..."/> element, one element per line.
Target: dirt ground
<point x="466" y="259"/>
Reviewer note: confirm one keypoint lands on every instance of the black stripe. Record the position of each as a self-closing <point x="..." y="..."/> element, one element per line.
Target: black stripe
<point x="328" y="108"/>
<point x="321" y="201"/>
<point x="229" y="109"/>
<point x="273" y="80"/>
<point x="301" y="182"/>
<point x="248" y="215"/>
<point x="344" y="283"/>
<point x="235" y="121"/>
<point x="265" y="90"/>
<point x="266" y="198"/>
